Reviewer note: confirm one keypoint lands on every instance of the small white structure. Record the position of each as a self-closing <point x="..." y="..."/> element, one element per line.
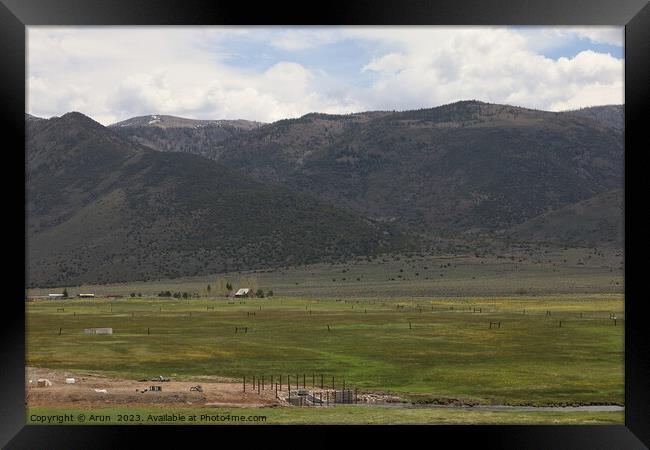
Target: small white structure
<point x="243" y="292"/>
<point x="55" y="295"/>
<point x="43" y="382"/>
<point x="70" y="381"/>
<point x="101" y="391"/>
<point x="98" y="330"/>
<point x="86" y="295"/>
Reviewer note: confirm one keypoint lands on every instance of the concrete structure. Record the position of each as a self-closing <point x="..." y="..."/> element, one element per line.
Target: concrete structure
<point x="98" y="330"/>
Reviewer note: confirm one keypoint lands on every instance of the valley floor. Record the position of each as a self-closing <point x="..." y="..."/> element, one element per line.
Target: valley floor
<point x="527" y="351"/>
<point x="445" y="339"/>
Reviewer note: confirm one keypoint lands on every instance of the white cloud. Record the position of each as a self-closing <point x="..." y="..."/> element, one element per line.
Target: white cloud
<point x="493" y="65"/>
<point x="115" y="73"/>
<point x="301" y="39"/>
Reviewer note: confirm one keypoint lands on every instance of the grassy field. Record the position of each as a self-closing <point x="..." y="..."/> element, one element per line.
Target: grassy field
<point x="341" y="414"/>
<point x="414" y="326"/>
<point x="422" y="349"/>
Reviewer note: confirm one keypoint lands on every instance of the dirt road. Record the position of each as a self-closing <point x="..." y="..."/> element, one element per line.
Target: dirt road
<point x="129" y="392"/>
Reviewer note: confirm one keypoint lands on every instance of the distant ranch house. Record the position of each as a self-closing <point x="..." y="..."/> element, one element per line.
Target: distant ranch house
<point x="243" y="292"/>
<point x="55" y="296"/>
<point x="86" y="295"/>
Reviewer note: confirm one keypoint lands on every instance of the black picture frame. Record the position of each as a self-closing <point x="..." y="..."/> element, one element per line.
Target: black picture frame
<point x="15" y="15"/>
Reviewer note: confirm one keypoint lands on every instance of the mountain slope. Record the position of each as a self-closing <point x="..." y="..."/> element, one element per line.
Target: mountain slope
<point x="611" y="115"/>
<point x="598" y="220"/>
<point x="464" y="167"/>
<point x="104" y="209"/>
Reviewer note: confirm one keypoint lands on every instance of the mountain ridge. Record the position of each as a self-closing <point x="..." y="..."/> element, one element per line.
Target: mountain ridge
<point x="168" y="121"/>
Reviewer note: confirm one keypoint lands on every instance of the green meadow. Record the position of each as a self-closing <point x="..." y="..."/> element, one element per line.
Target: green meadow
<point x="423" y="349"/>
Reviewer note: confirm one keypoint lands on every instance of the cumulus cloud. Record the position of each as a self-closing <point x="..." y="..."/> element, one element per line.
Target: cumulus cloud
<point x="493" y="65"/>
<point x="115" y="73"/>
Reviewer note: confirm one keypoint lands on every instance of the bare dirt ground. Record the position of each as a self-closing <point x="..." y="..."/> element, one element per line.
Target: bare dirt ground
<point x="128" y="392"/>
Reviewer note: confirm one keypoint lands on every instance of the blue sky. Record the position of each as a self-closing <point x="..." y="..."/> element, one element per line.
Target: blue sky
<point x="272" y="73"/>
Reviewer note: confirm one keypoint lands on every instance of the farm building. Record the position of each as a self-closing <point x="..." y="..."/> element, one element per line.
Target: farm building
<point x="86" y="295"/>
<point x="244" y="292"/>
<point x="55" y="296"/>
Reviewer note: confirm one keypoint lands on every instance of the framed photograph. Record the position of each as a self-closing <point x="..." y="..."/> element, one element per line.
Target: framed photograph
<point x="373" y="214"/>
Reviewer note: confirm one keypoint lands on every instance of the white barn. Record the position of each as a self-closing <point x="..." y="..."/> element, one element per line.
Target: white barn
<point x="243" y="292"/>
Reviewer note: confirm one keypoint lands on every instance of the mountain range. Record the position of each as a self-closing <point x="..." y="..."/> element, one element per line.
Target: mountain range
<point x="101" y="208"/>
<point x="162" y="196"/>
<point x="464" y="167"/>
